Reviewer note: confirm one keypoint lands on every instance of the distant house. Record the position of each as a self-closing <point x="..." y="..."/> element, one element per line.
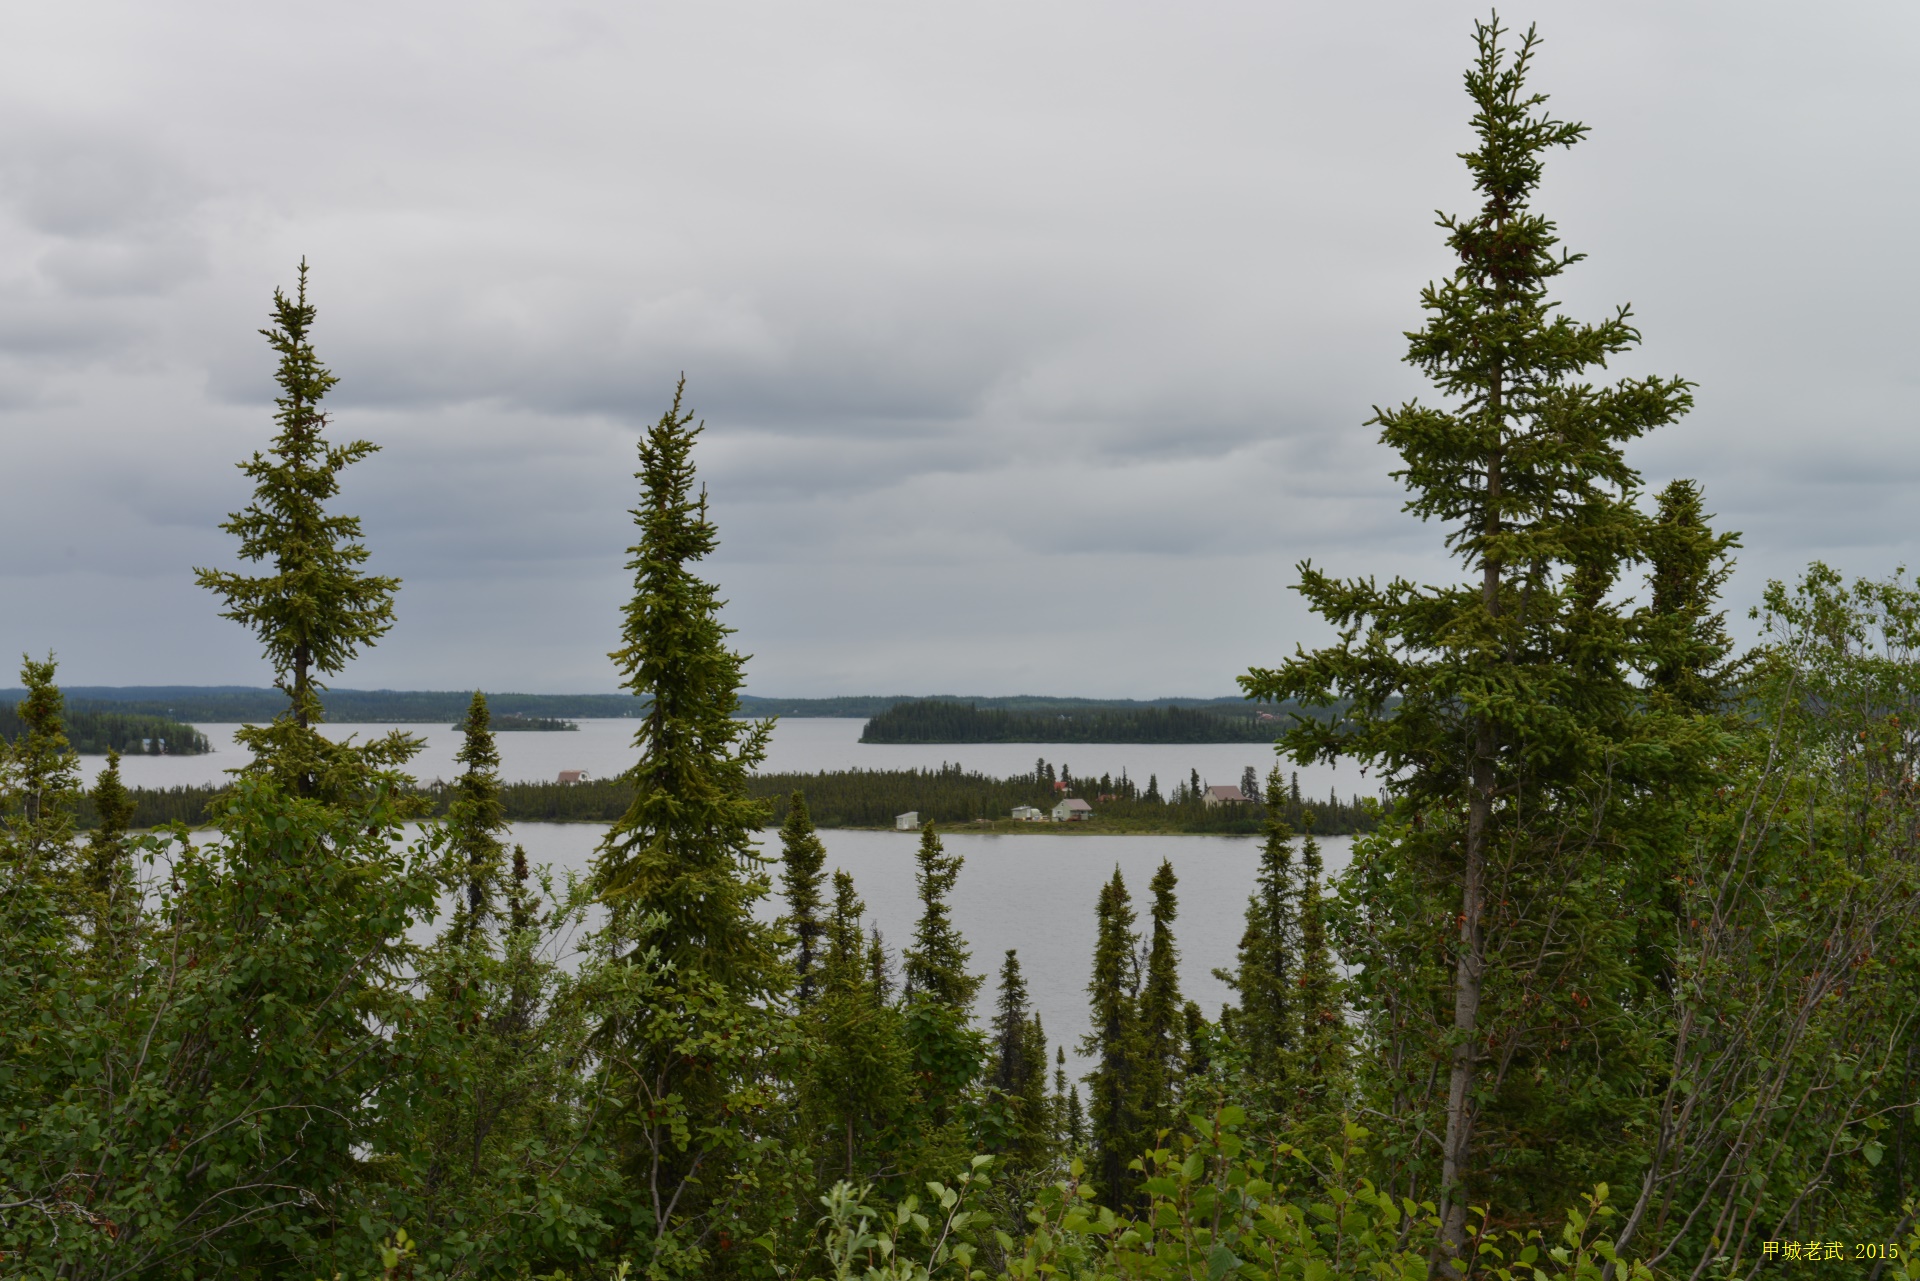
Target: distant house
<point x="1028" y="813"/>
<point x="906" y="822"/>
<point x="1217" y="796"/>
<point x="573" y="776"/>
<point x="1072" y="810"/>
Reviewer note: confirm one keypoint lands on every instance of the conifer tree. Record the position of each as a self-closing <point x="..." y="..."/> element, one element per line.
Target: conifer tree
<point x="317" y="608"/>
<point x="1114" y="1121"/>
<point x="1500" y="699"/>
<point x="476" y="818"/>
<point x="1019" y="1065"/>
<point x="858" y="1085"/>
<point x="109" y="860"/>
<point x="680" y="874"/>
<point x="1264" y="1026"/>
<point x="1010" y="1026"/>
<point x="42" y="778"/>
<point x="1689" y="565"/>
<point x="1322" y="1055"/>
<point x="802" y="856"/>
<point x="1162" y="1017"/>
<point x="936" y="964"/>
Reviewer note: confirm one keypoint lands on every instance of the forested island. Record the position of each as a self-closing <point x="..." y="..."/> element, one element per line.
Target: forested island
<point x="945" y="721"/>
<point x="537" y="724"/>
<point x="92" y="732"/>
<point x="1621" y="985"/>
<point x="956" y="799"/>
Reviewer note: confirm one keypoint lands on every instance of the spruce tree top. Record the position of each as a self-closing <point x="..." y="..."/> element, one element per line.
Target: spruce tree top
<point x="1526" y="469"/>
<point x="684" y="853"/>
<point x="317" y="607"/>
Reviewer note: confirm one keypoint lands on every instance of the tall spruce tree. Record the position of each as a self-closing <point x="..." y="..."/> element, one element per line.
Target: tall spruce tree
<point x="1263" y="1028"/>
<point x="42" y="779"/>
<point x="475" y="819"/>
<point x="1321" y="1061"/>
<point x="802" y="856"/>
<point x="680" y="875"/>
<point x="1499" y="704"/>
<point x="1113" y="1112"/>
<point x="1018" y="1068"/>
<point x="317" y="608"/>
<point x="936" y="964"/>
<point x="1162" y="1014"/>
<point x="109" y="856"/>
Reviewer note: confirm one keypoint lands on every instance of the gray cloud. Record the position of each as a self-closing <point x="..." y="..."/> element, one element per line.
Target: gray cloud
<point x="1035" y="344"/>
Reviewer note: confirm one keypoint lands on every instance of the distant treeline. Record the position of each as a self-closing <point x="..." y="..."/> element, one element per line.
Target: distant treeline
<point x="868" y="798"/>
<point x="94" y="733"/>
<point x="233" y="704"/>
<point x="940" y="721"/>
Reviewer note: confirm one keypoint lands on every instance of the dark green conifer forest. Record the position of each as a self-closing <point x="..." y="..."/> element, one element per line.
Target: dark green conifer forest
<point x="1623" y="980"/>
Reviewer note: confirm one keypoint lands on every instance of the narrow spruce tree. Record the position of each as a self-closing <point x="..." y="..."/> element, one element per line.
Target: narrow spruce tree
<point x="1114" y="1122"/>
<point x="1010" y="1026"/>
<point x="1162" y="1017"/>
<point x="1690" y="564"/>
<point x="109" y="856"/>
<point x="1018" y="1068"/>
<point x="317" y="607"/>
<point x="476" y="817"/>
<point x="1500" y="703"/>
<point x="1263" y="1028"/>
<point x="42" y="779"/>
<point x="802" y="856"/>
<point x="1321" y="1061"/>
<point x="680" y="875"/>
<point x="936" y="964"/>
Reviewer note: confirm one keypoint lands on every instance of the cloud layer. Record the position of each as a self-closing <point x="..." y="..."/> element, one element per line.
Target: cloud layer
<point x="1034" y="343"/>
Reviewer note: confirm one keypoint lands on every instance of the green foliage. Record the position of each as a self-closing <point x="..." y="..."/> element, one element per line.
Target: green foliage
<point x="802" y="857"/>
<point x="317" y="608"/>
<point x="703" y="1108"/>
<point x="476" y="818"/>
<point x="1510" y="708"/>
<point x="936" y="964"/>
<point x="1115" y="1122"/>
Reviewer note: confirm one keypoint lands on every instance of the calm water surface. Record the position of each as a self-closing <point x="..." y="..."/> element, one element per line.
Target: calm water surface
<point x="1035" y="892"/>
<point x="605" y="747"/>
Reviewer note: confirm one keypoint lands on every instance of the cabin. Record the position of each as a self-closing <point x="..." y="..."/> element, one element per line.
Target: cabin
<point x="1214" y="797"/>
<point x="1028" y="813"/>
<point x="906" y="822"/>
<point x="573" y="776"/>
<point x="1072" y="810"/>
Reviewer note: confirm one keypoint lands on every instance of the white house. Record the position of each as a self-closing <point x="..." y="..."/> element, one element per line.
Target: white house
<point x="1072" y="810"/>
<point x="1215" y="796"/>
<point x="906" y="822"/>
<point x="574" y="776"/>
<point x="1028" y="813"/>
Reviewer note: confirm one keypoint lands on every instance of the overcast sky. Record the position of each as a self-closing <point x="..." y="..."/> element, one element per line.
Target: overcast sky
<point x="1034" y="340"/>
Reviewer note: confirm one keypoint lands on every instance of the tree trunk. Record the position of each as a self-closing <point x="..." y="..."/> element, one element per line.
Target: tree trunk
<point x="1470" y="970"/>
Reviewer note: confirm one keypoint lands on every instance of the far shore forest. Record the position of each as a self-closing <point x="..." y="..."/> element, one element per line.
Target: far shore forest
<point x="1621" y="983"/>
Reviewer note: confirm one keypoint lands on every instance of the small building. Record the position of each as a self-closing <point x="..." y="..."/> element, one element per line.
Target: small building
<point x="1217" y="796"/>
<point x="573" y="776"/>
<point x="1028" y="813"/>
<point x="1072" y="810"/>
<point x="906" y="822"/>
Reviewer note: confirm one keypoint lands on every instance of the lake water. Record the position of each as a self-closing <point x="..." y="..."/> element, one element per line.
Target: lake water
<point x="810" y="745"/>
<point x="1034" y="892"/>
